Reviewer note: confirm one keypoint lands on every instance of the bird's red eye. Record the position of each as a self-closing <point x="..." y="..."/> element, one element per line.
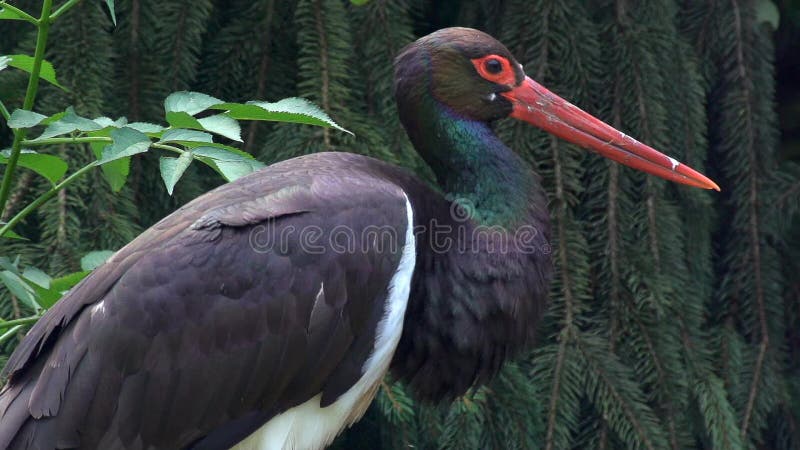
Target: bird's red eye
<point x="496" y="69"/>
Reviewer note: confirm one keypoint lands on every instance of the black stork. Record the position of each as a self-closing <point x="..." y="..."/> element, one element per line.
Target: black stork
<point x="264" y="314"/>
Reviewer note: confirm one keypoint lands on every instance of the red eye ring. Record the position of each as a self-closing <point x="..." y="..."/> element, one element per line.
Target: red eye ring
<point x="487" y="67"/>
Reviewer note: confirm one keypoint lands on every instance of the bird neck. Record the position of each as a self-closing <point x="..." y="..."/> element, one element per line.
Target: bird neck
<point x="472" y="166"/>
<point x="480" y="298"/>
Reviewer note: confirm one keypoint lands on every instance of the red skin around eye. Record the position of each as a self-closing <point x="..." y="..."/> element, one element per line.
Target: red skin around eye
<point x="505" y="76"/>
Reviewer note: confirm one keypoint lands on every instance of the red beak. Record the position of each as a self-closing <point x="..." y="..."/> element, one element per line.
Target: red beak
<point x="536" y="105"/>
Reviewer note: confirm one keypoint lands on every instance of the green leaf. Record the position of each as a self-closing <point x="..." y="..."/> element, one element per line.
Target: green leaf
<point x="293" y="110"/>
<point x="48" y="166"/>
<point x="181" y="119"/>
<point x="146" y="127"/>
<point x="7" y="14"/>
<point x="110" y="5"/>
<point x="68" y="123"/>
<point x="55" y="117"/>
<point x="46" y="73"/>
<point x="40" y="282"/>
<point x="66" y="282"/>
<point x="229" y="162"/>
<point x="115" y="172"/>
<point x="19" y="288"/>
<point x="10" y="234"/>
<point x="21" y="118"/>
<point x="45" y="297"/>
<point x="193" y="145"/>
<point x="189" y="102"/>
<point x="173" y="168"/>
<point x="7" y="264"/>
<point x="221" y="154"/>
<point x="184" y="135"/>
<point x="127" y="142"/>
<point x="36" y="276"/>
<point x="4" y="60"/>
<point x="93" y="259"/>
<point x="222" y="125"/>
<point x="107" y="122"/>
<point x="233" y="170"/>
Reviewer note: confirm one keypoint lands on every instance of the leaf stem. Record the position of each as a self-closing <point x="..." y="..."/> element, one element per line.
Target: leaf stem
<point x="20" y="13"/>
<point x="62" y="9"/>
<point x="10" y="333"/>
<point x="45" y="197"/>
<point x="66" y="140"/>
<point x="4" y="112"/>
<point x="88" y="139"/>
<point x="171" y="148"/>
<point x="22" y="321"/>
<point x="30" y="95"/>
<point x="52" y="192"/>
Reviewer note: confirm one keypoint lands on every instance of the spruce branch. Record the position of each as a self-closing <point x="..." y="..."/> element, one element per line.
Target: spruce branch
<point x="263" y="70"/>
<point x="607" y="383"/>
<point x="563" y="341"/>
<point x="754" y="233"/>
<point x="324" y="69"/>
<point x="134" y="56"/>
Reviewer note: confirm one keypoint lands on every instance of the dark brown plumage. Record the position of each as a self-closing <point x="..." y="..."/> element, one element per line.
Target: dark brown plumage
<point x="196" y="344"/>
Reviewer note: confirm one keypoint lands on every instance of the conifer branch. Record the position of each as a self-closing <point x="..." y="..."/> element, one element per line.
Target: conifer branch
<point x="564" y="337"/>
<point x="660" y="375"/>
<point x="613" y="226"/>
<point x="650" y="201"/>
<point x="608" y="382"/>
<point x="398" y="408"/>
<point x="613" y="241"/>
<point x="754" y="233"/>
<point x="263" y="70"/>
<point x="791" y="192"/>
<point x="561" y="213"/>
<point x="178" y="47"/>
<point x="133" y="61"/>
<point x="542" y="67"/>
<point x="644" y="118"/>
<point x="324" y="69"/>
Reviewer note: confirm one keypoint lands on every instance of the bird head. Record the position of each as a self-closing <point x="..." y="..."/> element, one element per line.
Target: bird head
<point x="474" y="75"/>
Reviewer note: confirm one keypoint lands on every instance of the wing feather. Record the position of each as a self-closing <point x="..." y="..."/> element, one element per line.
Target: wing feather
<point x="190" y="335"/>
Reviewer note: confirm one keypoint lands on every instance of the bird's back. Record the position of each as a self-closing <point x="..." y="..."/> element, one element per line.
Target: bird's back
<point x="261" y="296"/>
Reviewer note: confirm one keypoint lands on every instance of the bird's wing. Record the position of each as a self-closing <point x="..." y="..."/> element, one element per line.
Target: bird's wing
<point x="233" y="309"/>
